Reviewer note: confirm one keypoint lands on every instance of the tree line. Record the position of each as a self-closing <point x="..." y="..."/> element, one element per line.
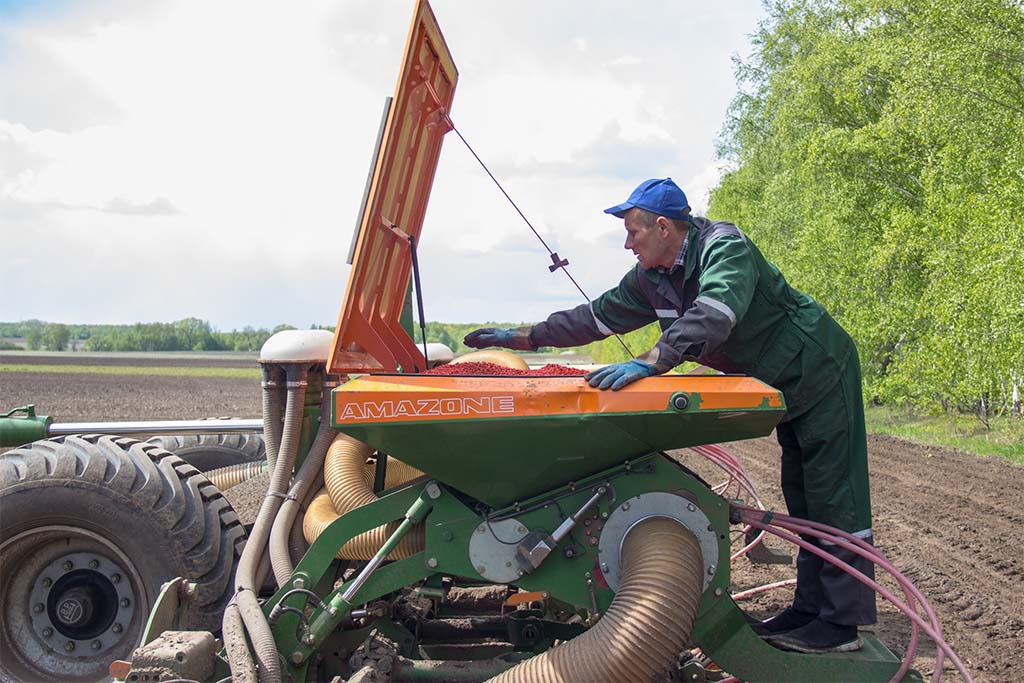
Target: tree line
<point x="189" y="334"/>
<point x="877" y="157"/>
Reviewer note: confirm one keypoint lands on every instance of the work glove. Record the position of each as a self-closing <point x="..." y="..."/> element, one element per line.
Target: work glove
<point x="616" y="376"/>
<point x="517" y="338"/>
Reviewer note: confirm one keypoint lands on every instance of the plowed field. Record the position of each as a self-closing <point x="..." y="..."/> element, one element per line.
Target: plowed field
<point x="953" y="522"/>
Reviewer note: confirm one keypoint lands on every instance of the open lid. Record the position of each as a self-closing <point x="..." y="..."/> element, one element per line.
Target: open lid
<point x="369" y="336"/>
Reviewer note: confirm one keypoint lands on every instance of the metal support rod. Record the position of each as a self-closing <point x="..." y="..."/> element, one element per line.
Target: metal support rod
<point x="455" y="671"/>
<point x="567" y="525"/>
<point x="419" y="296"/>
<point x="340" y="605"/>
<point x="414" y="516"/>
<point x="157" y="427"/>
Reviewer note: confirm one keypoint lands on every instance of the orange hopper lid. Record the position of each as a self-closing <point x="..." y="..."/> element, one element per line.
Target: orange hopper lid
<point x="369" y="336"/>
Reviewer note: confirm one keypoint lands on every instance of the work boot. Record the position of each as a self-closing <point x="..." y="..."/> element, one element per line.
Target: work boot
<point x="783" y="622"/>
<point x="818" y="637"/>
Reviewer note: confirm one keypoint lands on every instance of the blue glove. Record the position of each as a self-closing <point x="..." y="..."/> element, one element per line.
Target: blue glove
<point x="619" y="375"/>
<point x="517" y="338"/>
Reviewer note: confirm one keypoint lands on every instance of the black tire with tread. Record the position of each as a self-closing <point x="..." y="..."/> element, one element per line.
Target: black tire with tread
<point x="207" y="452"/>
<point x="156" y="508"/>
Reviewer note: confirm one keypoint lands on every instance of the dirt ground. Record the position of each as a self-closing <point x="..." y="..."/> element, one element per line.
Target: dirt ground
<point x="953" y="522"/>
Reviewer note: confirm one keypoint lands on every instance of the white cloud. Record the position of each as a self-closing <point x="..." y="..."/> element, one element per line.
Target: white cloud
<point x="222" y="148"/>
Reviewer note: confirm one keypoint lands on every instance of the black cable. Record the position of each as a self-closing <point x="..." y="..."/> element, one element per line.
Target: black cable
<point x="499" y="540"/>
<point x="559" y="265"/>
<point x="419" y="296"/>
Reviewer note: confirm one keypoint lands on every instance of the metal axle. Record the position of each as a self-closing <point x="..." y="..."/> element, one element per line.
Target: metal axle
<point x="157" y="427"/>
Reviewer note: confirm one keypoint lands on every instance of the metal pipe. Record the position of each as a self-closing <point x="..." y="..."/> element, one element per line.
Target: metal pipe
<point x="453" y="671"/>
<point x="341" y="604"/>
<point x="413" y="516"/>
<point x="567" y="525"/>
<point x="154" y="427"/>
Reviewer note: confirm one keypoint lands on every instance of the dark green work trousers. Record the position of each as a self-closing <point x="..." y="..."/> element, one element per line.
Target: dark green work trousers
<point x="825" y="479"/>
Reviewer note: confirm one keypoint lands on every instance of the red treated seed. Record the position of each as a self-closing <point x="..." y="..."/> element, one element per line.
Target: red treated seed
<point x="494" y="370"/>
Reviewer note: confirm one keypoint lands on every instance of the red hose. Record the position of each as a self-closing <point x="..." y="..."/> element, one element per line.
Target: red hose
<point x="843" y="540"/>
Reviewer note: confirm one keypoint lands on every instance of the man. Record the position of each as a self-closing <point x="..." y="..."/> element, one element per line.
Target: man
<point x="721" y="303"/>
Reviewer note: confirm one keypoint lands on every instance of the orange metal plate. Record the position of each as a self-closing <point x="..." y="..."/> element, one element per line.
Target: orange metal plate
<point x="369" y="337"/>
<point x="425" y="397"/>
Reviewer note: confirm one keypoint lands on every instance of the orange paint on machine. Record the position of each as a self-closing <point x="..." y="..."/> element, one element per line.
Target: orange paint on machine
<point x="409" y="398"/>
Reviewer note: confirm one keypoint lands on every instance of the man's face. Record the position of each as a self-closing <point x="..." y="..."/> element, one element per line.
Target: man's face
<point x="649" y="241"/>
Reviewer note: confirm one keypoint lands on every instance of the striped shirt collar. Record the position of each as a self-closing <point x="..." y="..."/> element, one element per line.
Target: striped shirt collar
<point x="680" y="260"/>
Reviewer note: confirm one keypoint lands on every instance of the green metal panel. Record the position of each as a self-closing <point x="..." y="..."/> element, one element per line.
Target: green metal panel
<point x="501" y="460"/>
<point x="721" y="629"/>
<point x="724" y="635"/>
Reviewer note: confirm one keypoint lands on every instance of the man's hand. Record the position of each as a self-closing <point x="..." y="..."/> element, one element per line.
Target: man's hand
<point x="616" y="376"/>
<point x="517" y="338"/>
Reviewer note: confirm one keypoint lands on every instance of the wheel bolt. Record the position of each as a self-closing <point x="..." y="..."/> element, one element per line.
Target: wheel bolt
<point x="68" y="566"/>
<point x="116" y="578"/>
<point x="69" y="646"/>
<point x="47" y="582"/>
<point x="124" y="602"/>
<point x="93" y="564"/>
<point x="96" y="644"/>
<point x="47" y="632"/>
<point x="38" y="607"/>
<point x="116" y="628"/>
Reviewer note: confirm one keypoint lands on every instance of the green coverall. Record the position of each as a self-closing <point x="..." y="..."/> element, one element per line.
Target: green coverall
<point x="725" y="306"/>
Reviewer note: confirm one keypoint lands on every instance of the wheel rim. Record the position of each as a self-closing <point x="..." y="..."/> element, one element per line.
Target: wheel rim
<point x="72" y="602"/>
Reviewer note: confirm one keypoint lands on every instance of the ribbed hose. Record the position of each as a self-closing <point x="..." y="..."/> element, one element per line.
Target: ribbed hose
<point x="273" y="386"/>
<point x="297" y="543"/>
<point x="243" y="670"/>
<point x="349" y="485"/>
<point x="305" y="478"/>
<point x="245" y="577"/>
<point x="649" y="621"/>
<point x="233" y="475"/>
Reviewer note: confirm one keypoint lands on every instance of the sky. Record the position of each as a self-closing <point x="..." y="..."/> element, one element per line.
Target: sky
<point x="172" y="159"/>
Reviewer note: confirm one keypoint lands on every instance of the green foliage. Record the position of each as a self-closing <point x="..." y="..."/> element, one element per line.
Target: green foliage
<point x="610" y="350"/>
<point x="149" y="370"/>
<point x="878" y="152"/>
<point x="451" y="334"/>
<point x="56" y="337"/>
<point x="189" y="334"/>
<point x="34" y="338"/>
<point x="1002" y="437"/>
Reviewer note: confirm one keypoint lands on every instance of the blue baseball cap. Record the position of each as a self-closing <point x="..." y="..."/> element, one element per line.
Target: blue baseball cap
<point x="657" y="195"/>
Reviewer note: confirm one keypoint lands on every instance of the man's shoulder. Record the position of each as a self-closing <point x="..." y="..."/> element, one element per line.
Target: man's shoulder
<point x="711" y="231"/>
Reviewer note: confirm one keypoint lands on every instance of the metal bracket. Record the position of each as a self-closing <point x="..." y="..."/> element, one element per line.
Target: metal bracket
<point x="557" y="262"/>
<point x="762" y="554"/>
<point x="655" y="504"/>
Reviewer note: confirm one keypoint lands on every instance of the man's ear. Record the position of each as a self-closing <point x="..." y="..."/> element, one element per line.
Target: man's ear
<point x="663" y="225"/>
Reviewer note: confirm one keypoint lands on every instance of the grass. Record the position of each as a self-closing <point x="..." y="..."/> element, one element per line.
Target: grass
<point x="1005" y="439"/>
<point x="159" y="371"/>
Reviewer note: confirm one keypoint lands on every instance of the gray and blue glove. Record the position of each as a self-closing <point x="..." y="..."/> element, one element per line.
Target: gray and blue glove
<point x="616" y="376"/>
<point x="517" y="338"/>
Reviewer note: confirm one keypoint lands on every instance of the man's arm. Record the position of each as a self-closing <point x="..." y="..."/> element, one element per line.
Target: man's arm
<point x="620" y="309"/>
<point x="727" y="282"/>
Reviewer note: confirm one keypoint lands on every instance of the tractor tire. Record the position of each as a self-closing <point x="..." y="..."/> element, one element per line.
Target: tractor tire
<point x="208" y="452"/>
<point x="92" y="526"/>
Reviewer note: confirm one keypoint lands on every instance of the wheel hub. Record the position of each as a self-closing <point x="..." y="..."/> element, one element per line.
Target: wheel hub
<point x="81" y="604"/>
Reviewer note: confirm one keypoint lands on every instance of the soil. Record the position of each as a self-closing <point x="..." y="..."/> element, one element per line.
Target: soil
<point x="952" y="522"/>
